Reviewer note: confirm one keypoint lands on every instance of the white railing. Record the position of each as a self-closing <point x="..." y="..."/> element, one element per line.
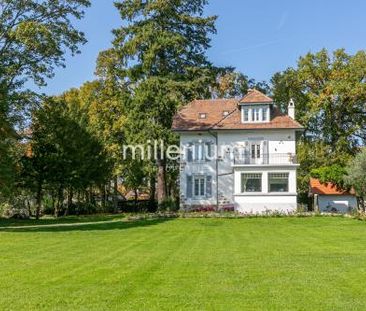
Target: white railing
<point x="269" y="158"/>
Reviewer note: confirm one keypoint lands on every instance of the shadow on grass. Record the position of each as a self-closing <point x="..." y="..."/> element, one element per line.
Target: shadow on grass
<point x="4" y="222"/>
<point x="102" y="226"/>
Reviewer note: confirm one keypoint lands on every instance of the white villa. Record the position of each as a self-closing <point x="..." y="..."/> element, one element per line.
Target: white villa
<point x="238" y="154"/>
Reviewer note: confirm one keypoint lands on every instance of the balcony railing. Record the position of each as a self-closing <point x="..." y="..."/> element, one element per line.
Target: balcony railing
<point x="268" y="159"/>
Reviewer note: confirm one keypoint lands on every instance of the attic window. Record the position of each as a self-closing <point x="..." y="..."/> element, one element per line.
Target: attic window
<point x="225" y="113"/>
<point x="202" y="115"/>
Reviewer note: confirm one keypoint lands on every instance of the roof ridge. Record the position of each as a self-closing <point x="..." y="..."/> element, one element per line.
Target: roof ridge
<point x="217" y="99"/>
<point x="262" y="97"/>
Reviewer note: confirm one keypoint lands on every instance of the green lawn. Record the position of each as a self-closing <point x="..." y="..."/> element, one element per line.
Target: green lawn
<point x="186" y="264"/>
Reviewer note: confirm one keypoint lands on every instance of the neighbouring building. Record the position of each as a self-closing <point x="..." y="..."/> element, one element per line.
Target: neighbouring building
<point x="329" y="198"/>
<point x="238" y="153"/>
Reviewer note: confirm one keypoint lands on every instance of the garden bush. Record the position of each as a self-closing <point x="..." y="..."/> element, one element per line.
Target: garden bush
<point x="169" y="205"/>
<point x="141" y="206"/>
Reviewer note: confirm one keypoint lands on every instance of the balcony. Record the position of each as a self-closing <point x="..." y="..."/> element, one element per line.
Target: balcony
<point x="266" y="159"/>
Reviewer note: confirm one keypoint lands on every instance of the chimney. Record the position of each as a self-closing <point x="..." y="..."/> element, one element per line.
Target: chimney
<point x="291" y="109"/>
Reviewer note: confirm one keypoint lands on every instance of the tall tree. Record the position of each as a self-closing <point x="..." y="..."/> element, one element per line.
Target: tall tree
<point x="231" y="83"/>
<point x="160" y="52"/>
<point x="330" y="95"/>
<point x="101" y="103"/>
<point x="65" y="156"/>
<point x="34" y="37"/>
<point x="356" y="176"/>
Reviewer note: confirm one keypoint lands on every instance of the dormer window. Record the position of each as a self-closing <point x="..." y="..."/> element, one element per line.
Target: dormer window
<point x="202" y="115"/>
<point x="255" y="113"/>
<point x="255" y="107"/>
<point x="245" y="114"/>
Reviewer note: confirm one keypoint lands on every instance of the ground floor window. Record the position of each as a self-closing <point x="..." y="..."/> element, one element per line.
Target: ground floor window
<point x="199" y="186"/>
<point x="251" y="182"/>
<point x="278" y="182"/>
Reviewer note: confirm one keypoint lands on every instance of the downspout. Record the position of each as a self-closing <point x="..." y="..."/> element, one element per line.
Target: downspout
<point x="209" y="130"/>
<point x="217" y="166"/>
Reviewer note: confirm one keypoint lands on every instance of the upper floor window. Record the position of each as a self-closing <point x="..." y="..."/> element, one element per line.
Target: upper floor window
<point x="255" y="151"/>
<point x="200" y="151"/>
<point x="255" y="114"/>
<point x="245" y="114"/>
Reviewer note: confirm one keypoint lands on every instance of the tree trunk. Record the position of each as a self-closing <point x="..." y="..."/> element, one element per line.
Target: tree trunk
<point x="39" y="199"/>
<point x="161" y="185"/>
<point x="60" y="199"/>
<point x="54" y="207"/>
<point x="104" y="197"/>
<point x="361" y="204"/>
<point x="29" y="209"/>
<point x="115" y="194"/>
<point x="152" y="188"/>
<point x="69" y="201"/>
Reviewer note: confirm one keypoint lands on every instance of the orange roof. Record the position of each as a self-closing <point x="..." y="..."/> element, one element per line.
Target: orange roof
<point x="188" y="118"/>
<point x="327" y="189"/>
<point x="254" y="96"/>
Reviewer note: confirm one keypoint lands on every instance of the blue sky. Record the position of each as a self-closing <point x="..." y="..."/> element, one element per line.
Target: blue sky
<point x="257" y="37"/>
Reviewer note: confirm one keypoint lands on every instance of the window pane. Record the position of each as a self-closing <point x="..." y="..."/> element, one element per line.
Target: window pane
<point x="278" y="182"/>
<point x="202" y="187"/>
<point x="199" y="150"/>
<point x="196" y="187"/>
<point x="251" y="182"/>
<point x="199" y="186"/>
<point x="253" y="151"/>
<point x="246" y="114"/>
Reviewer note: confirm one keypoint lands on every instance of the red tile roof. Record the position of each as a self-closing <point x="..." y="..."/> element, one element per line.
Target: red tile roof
<point x="254" y="96"/>
<point x="316" y="187"/>
<point x="187" y="118"/>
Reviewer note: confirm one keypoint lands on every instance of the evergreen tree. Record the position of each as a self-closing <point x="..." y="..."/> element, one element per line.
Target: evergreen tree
<point x="160" y="53"/>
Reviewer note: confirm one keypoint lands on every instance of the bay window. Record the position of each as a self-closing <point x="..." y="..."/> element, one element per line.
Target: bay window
<point x="251" y="182"/>
<point x="278" y="182"/>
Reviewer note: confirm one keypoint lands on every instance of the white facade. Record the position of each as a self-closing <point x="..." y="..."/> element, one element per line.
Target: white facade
<point x="336" y="203"/>
<point x="255" y="171"/>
